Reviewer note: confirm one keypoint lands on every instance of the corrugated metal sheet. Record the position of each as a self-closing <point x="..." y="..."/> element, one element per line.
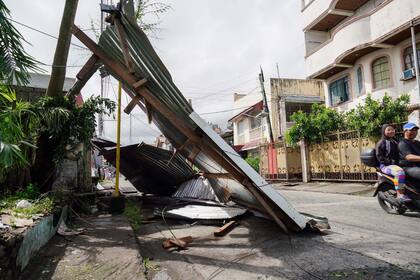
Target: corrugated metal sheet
<point x="150" y="169"/>
<point x="148" y="65"/>
<point x="198" y="188"/>
<point x="203" y="212"/>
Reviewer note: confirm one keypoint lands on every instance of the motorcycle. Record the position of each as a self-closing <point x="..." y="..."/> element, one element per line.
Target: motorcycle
<point x="385" y="190"/>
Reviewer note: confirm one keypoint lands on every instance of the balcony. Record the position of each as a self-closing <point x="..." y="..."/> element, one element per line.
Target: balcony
<point x="323" y="15"/>
<point x="255" y="134"/>
<point x="360" y="36"/>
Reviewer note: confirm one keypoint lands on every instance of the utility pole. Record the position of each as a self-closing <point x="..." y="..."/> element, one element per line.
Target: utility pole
<point x="58" y="73"/>
<point x="265" y="105"/>
<point x="100" y="116"/>
<point x="415" y="56"/>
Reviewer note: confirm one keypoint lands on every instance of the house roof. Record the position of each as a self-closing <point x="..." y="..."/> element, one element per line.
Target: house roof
<point x="256" y="106"/>
<point x="40" y="81"/>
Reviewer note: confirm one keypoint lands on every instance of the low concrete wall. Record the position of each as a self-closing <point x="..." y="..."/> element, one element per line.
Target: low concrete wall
<point x="19" y="246"/>
<point x="38" y="236"/>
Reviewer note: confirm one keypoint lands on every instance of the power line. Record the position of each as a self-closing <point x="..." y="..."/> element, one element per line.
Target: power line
<point x="44" y="33"/>
<point x="223" y="111"/>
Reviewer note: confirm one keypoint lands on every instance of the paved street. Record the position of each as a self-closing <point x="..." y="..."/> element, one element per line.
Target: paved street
<point x="364" y="243"/>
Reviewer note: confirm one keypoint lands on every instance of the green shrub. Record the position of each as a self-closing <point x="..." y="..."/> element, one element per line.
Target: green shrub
<point x="366" y="118"/>
<point x="254" y="162"/>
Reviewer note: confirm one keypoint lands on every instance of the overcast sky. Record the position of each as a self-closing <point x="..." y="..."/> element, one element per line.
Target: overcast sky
<point x="212" y="48"/>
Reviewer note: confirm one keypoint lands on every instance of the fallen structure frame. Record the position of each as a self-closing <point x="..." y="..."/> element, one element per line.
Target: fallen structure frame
<point x="126" y="53"/>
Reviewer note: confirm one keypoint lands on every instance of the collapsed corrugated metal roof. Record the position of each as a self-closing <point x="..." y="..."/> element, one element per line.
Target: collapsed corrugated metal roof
<point x="149" y="169"/>
<point x="127" y="54"/>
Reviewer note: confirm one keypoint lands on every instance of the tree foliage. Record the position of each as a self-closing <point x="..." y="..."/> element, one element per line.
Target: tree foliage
<point x="314" y="126"/>
<point x="21" y="123"/>
<point x="15" y="63"/>
<point x="366" y="118"/>
<point x="369" y="117"/>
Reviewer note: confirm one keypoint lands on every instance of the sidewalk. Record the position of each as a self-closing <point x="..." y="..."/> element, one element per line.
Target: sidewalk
<point x="362" y="189"/>
<point x="106" y="250"/>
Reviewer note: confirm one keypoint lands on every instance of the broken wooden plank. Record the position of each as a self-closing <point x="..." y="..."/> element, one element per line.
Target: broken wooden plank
<point x="181" y="243"/>
<point x="87" y="71"/>
<point x="130" y="106"/>
<point x="222" y="231"/>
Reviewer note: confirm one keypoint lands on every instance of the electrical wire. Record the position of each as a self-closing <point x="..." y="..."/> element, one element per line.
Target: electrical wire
<point x="44" y="33"/>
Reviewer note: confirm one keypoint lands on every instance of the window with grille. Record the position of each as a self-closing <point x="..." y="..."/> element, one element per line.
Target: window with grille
<point x="409" y="57"/>
<point x="381" y="73"/>
<point x="339" y="91"/>
<point x="291" y="108"/>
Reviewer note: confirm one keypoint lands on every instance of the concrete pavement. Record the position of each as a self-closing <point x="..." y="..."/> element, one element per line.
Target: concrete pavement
<point x="364" y="243"/>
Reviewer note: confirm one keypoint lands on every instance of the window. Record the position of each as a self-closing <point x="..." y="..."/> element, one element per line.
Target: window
<point x="339" y="91"/>
<point x="359" y="74"/>
<point x="291" y="108"/>
<point x="241" y="127"/>
<point x="381" y="73"/>
<point x="409" y="57"/>
<point x="255" y="122"/>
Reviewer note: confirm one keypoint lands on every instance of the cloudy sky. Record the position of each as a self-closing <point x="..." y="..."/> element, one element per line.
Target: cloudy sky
<point x="212" y="48"/>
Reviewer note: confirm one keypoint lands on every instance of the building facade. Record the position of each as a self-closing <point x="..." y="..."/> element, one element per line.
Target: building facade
<point x="289" y="96"/>
<point x="284" y="97"/>
<point x="362" y="46"/>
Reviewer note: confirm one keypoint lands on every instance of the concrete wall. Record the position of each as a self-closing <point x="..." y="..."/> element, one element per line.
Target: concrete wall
<point x="281" y="88"/>
<point x="369" y="24"/>
<point x="396" y="88"/>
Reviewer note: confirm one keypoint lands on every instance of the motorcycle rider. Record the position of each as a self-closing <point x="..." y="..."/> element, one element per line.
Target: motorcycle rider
<point x="409" y="150"/>
<point x="388" y="157"/>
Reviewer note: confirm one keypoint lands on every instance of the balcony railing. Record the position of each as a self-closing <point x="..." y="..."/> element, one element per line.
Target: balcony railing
<point x="255" y="134"/>
<point x="241" y="139"/>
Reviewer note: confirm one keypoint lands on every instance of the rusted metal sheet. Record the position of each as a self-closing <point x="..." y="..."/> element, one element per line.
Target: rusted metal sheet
<point x="150" y="169"/>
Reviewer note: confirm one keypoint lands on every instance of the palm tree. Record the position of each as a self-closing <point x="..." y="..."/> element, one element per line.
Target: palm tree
<point x="15" y="63"/>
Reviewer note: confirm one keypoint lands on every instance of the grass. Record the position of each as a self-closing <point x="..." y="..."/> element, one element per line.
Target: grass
<point x="40" y="204"/>
<point x="133" y="214"/>
<point x="148" y="265"/>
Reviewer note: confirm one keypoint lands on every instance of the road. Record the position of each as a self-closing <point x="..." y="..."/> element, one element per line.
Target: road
<point x="364" y="243"/>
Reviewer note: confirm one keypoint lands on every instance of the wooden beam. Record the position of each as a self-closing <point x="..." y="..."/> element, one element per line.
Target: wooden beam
<point x="276" y="212"/>
<point x="87" y="71"/>
<point x="124" y="45"/>
<point x="222" y="231"/>
<point x="217" y="175"/>
<point x="132" y="104"/>
<point x="91" y="64"/>
<point x="148" y="112"/>
<point x="134" y="101"/>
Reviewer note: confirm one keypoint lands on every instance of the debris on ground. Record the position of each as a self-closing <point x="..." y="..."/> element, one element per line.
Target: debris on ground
<point x="222" y="231"/>
<point x="23" y="204"/>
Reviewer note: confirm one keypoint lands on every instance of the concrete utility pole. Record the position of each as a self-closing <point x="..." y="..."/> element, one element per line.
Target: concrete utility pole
<point x="415" y="56"/>
<point x="265" y="105"/>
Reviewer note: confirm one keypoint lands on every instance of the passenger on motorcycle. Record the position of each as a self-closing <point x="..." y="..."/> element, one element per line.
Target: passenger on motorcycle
<point x="388" y="157"/>
<point x="410" y="151"/>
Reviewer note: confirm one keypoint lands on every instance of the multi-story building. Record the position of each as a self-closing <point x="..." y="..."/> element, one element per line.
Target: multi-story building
<point x="289" y="96"/>
<point x="250" y="124"/>
<point x="362" y="46"/>
<point x="284" y="97"/>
